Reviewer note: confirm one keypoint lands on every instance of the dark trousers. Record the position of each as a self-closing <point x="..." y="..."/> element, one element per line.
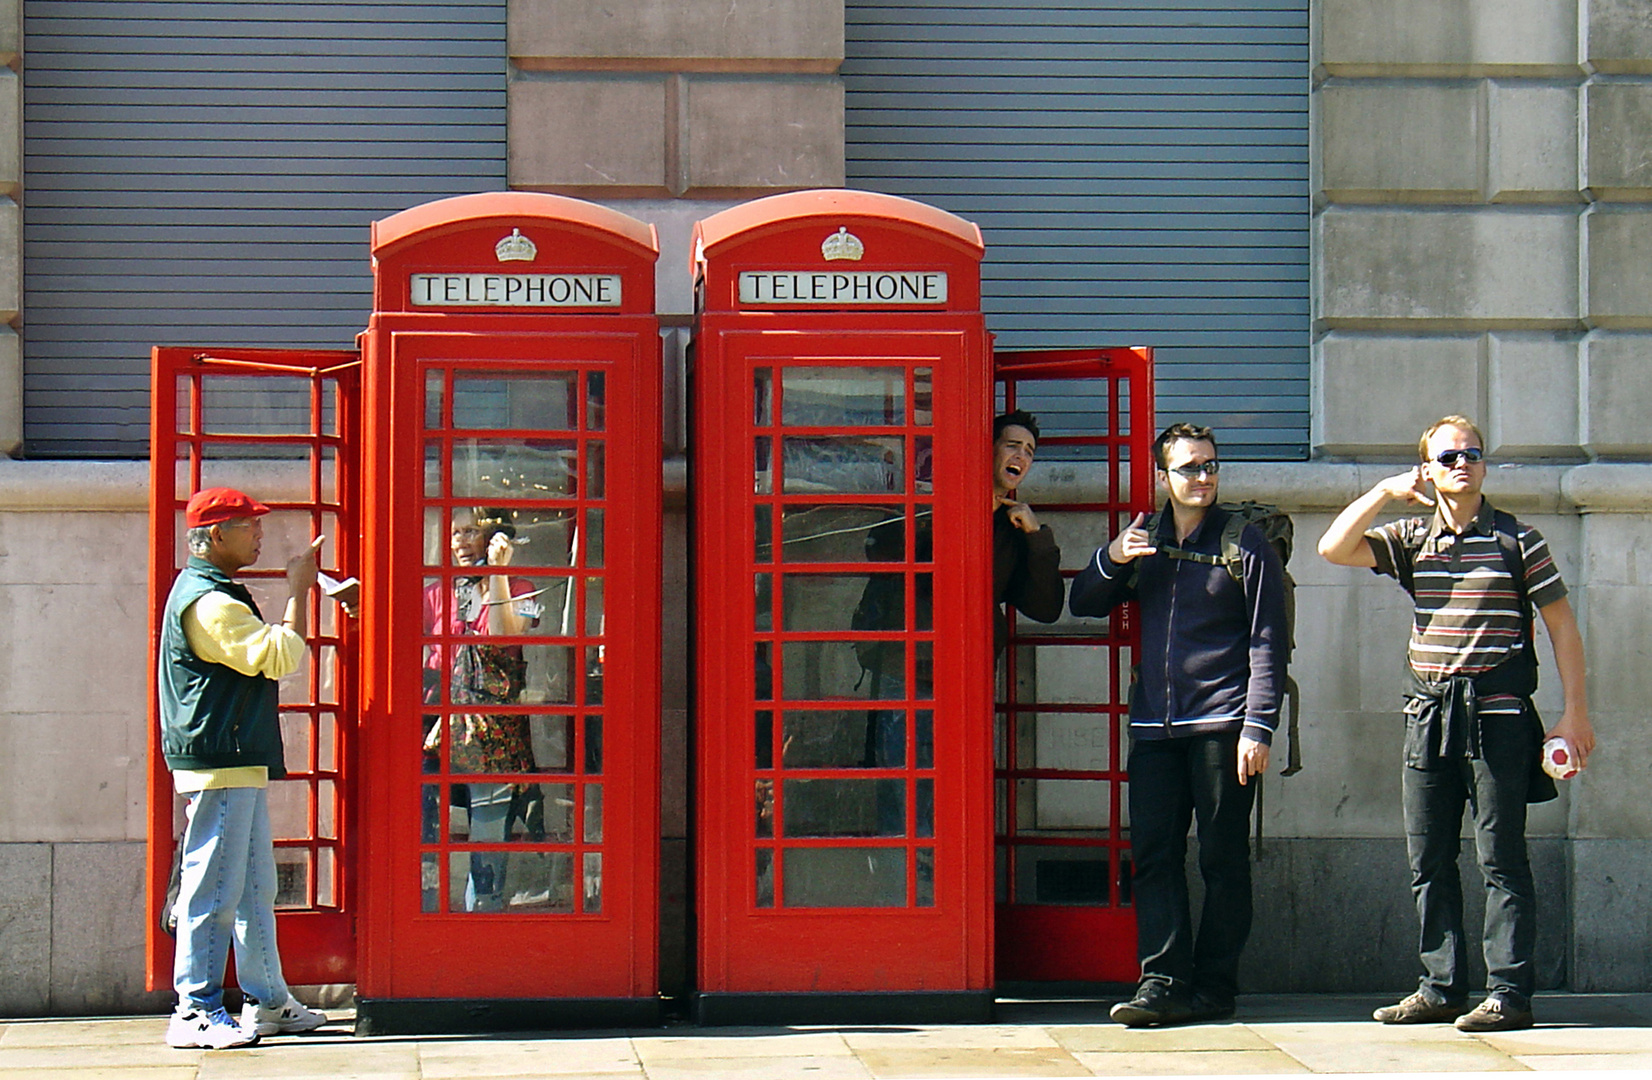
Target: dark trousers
<point x="1173" y="783"/>
<point x="1494" y="787"/>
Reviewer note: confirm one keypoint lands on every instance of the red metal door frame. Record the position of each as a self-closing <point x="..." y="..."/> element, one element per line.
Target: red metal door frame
<point x="191" y="436"/>
<point x="612" y="953"/>
<point x="1076" y="942"/>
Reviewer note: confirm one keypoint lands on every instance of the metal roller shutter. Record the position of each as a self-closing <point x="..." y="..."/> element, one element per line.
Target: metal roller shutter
<point x="204" y="173"/>
<point x="1139" y="169"/>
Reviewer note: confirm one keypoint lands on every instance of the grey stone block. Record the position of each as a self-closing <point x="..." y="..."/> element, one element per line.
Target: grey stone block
<point x="673" y="220"/>
<point x="1617" y="550"/>
<point x="1619" y="117"/>
<point x="700" y="32"/>
<point x="1619" y="273"/>
<point x="1532" y="396"/>
<point x="25" y="929"/>
<point x="1422" y="378"/>
<point x="1448" y="270"/>
<point x="1533" y="143"/>
<point x="11" y="30"/>
<point x="11" y="133"/>
<point x="598" y="134"/>
<point x="763" y="134"/>
<point x="1618" y="37"/>
<point x="98" y="926"/>
<point x="11" y="260"/>
<point x="11" y="392"/>
<point x="1448" y="37"/>
<point x="1612" y="888"/>
<point x="1617" y="394"/>
<point x="1388" y="142"/>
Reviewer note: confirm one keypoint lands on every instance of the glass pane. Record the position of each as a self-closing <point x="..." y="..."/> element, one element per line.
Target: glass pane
<point x="504" y="674"/>
<point x="511" y="813"/>
<point x="540" y="401"/>
<point x="844" y="463"/>
<point x="926" y="739"/>
<point x="764" y="675"/>
<point x="765" y="877"/>
<point x="763" y="737"/>
<point x="289" y="806"/>
<point x="593" y="674"/>
<point x="926" y="877"/>
<point x="923" y="396"/>
<point x="551" y="739"/>
<point x="764" y="532"/>
<point x="923" y="465"/>
<point x="327" y="743"/>
<point x="593" y="745"/>
<point x="596" y="391"/>
<point x="925" y="808"/>
<point x="593" y="538"/>
<point x="832" y="807"/>
<point x="924" y="654"/>
<point x="843" y="396"/>
<point x="845" y="877"/>
<point x="764" y="602"/>
<point x="503" y="603"/>
<point x="432" y="470"/>
<point x="283" y="472"/>
<point x="845" y="601"/>
<point x="763" y="808"/>
<point x="292" y="877"/>
<point x="326" y="807"/>
<point x="1080" y="741"/>
<point x="185" y="387"/>
<point x="295" y="741"/>
<point x="593" y="814"/>
<point x="762" y="465"/>
<point x="843" y="739"/>
<point x="763" y="397"/>
<point x="593" y="607"/>
<point x="430" y="830"/>
<point x="486" y="469"/>
<point x="1061" y="875"/>
<point x="430" y="883"/>
<point x="823" y="670"/>
<point x="529" y="881"/>
<point x="593" y="882"/>
<point x="256" y="405"/>
<point x="841" y="533"/>
<point x="1061" y="673"/>
<point x="543" y="539"/>
<point x="433" y="392"/>
<point x="596" y="470"/>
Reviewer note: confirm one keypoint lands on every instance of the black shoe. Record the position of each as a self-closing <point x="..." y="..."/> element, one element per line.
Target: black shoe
<point x="1206" y="1008"/>
<point x="1153" y="1006"/>
<point x="1417" y="1009"/>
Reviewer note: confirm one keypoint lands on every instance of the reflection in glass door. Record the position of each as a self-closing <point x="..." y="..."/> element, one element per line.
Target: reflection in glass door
<point x="511" y="648"/>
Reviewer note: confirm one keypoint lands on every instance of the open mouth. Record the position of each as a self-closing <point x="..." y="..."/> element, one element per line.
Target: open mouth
<point x="1013" y="470"/>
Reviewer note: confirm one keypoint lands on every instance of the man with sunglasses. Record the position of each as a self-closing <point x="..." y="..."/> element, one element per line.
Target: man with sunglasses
<point x="1203" y="707"/>
<point x="1472" y="736"/>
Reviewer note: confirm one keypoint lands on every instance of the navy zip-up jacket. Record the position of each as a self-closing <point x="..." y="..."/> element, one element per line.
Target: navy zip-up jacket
<point x="1213" y="650"/>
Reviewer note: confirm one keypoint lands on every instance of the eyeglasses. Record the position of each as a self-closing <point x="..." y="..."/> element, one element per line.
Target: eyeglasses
<point x="1195" y="469"/>
<point x="1450" y="458"/>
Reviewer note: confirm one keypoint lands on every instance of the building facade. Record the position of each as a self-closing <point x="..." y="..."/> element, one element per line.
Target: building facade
<point x="1477" y="208"/>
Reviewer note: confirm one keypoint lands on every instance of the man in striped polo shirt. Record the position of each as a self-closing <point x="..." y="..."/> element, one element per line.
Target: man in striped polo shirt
<point x="1471" y="733"/>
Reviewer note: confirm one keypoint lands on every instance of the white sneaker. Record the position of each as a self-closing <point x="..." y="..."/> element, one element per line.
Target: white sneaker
<point x="287" y="1019"/>
<point x="196" y="1030"/>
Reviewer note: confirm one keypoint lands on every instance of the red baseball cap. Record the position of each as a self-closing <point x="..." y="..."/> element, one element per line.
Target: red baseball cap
<point x="213" y="505"/>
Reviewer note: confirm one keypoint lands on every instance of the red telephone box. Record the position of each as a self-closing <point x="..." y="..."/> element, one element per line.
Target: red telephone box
<point x="843" y="395"/>
<point x="511" y="590"/>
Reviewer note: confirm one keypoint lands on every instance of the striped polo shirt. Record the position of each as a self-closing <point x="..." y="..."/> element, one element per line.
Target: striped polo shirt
<point x="1467" y="617"/>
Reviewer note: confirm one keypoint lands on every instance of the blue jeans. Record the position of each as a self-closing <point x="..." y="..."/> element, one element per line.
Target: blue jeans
<point x="1495" y="788"/>
<point x="1174" y="782"/>
<point x="226" y="892"/>
<point x="490" y="806"/>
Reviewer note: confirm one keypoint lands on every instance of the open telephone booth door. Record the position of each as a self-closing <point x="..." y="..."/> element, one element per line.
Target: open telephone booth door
<point x="1062" y="841"/>
<point x="283" y="426"/>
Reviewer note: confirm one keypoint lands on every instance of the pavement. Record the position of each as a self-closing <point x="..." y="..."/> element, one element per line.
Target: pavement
<point x="1328" y="1035"/>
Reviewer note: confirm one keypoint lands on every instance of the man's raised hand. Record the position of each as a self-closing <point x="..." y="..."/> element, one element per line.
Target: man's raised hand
<point x="1131" y="544"/>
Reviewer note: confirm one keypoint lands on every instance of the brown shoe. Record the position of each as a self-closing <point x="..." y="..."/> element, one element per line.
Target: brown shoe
<point x="1417" y="1009"/>
<point x="1495" y="1014"/>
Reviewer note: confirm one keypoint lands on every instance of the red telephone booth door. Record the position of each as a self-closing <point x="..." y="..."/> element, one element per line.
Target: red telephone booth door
<point x="514" y="678"/>
<point x="283" y="426"/>
<point x="843" y="693"/>
<point x="1063" y="839"/>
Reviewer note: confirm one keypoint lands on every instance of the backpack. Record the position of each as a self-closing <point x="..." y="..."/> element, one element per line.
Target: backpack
<point x="1277" y="530"/>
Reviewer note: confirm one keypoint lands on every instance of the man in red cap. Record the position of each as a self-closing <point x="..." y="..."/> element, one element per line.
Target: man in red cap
<point x="221" y="736"/>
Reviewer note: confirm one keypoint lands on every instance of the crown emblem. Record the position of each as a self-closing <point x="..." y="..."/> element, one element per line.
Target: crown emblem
<point x="843" y="244"/>
<point x="515" y="248"/>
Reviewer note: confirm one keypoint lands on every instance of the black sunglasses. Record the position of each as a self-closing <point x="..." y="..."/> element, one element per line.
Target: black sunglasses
<point x="1450" y="458"/>
<point x="1193" y="469"/>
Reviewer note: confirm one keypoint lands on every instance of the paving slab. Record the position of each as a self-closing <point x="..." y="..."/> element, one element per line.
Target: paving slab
<point x="114" y="1032"/>
<point x="752" y="1067"/>
<point x="971" y="1061"/>
<point x="953" y="1036"/>
<point x="1636" y="1065"/>
<point x="293" y="1057"/>
<point x="1370" y="1047"/>
<point x="557" y="1056"/>
<point x="1571" y="1039"/>
<point x="1112" y="1038"/>
<point x="147" y="1054"/>
<point x="1191" y="1063"/>
<point x="738" y="1043"/>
